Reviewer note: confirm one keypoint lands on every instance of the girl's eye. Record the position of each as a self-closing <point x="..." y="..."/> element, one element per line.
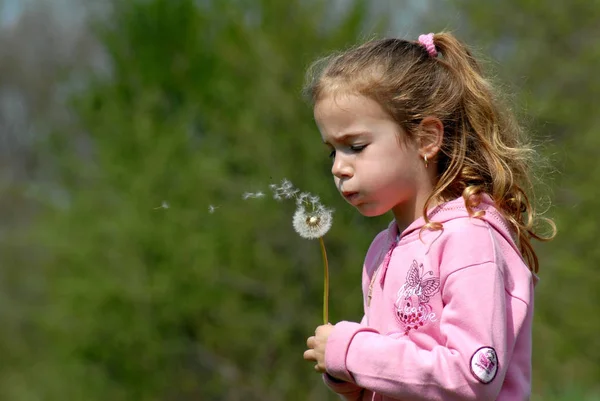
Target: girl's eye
<point x="353" y="148"/>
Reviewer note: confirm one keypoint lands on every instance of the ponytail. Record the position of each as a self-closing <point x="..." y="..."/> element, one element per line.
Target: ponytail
<point x="488" y="154"/>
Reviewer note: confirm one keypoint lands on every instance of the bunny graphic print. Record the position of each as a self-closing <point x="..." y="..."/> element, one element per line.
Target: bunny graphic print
<point x="412" y="308"/>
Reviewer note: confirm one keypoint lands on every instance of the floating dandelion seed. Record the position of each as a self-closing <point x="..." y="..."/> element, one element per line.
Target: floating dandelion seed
<point x="301" y="198"/>
<point x="252" y="195"/>
<point x="163" y="205"/>
<point x="283" y="191"/>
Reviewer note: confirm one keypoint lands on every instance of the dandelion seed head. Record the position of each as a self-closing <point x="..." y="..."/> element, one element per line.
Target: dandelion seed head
<point x="312" y="224"/>
<point x="311" y="219"/>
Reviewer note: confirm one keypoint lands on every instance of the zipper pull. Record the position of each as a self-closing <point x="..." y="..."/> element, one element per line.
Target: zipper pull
<point x="370" y="293"/>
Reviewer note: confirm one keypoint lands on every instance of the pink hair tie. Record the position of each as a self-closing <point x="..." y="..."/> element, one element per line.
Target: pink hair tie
<point x="427" y="42"/>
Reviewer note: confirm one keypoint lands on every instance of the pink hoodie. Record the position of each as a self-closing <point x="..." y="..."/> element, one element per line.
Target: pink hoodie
<point x="449" y="317"/>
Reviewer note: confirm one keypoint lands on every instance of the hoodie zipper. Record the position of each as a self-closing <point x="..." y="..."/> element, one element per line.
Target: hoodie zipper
<point x="384" y="264"/>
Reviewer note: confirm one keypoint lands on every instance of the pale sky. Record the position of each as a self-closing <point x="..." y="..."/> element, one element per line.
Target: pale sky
<point x="401" y="16"/>
<point x="66" y="10"/>
<point x="9" y="10"/>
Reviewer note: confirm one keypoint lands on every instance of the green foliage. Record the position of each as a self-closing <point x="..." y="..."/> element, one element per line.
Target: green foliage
<point x="147" y="303"/>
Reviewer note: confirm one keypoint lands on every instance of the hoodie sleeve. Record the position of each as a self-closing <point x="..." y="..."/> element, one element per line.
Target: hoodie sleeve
<point x="478" y="325"/>
<point x="348" y="391"/>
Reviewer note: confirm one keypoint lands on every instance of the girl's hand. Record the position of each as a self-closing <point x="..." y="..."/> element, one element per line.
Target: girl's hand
<point x="316" y="347"/>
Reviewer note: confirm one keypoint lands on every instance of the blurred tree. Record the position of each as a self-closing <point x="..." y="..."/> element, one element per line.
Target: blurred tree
<point x="144" y="302"/>
<point x="36" y="50"/>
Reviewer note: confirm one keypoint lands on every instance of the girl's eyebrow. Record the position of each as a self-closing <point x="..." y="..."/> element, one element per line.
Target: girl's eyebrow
<point x="344" y="137"/>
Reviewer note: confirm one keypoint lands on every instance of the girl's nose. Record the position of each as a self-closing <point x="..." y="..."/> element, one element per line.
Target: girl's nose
<point x="341" y="168"/>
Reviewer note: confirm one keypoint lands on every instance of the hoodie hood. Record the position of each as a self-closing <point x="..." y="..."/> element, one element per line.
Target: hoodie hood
<point x="448" y="211"/>
<point x="457" y="209"/>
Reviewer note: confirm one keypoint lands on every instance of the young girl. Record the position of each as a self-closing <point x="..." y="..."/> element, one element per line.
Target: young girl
<point x="413" y="127"/>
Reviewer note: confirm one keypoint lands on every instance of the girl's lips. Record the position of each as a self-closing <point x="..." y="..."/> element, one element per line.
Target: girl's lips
<point x="350" y="196"/>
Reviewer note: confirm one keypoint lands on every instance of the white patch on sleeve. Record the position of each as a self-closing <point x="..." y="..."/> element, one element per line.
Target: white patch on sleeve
<point x="484" y="364"/>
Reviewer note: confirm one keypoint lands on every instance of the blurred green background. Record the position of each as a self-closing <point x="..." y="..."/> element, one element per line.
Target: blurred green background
<point x="123" y="122"/>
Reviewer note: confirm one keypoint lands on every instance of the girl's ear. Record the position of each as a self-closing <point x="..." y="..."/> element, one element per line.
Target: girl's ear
<point x="431" y="135"/>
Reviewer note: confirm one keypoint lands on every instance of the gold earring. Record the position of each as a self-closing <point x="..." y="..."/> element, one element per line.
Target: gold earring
<point x="426" y="161"/>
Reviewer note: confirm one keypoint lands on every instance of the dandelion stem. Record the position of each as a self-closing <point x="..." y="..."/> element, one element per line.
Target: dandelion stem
<point x="326" y="283"/>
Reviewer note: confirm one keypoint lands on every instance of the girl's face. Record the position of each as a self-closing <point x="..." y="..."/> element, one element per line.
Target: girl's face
<point x="375" y="167"/>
